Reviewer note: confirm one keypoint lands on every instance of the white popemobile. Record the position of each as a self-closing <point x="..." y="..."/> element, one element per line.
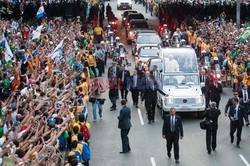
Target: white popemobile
<point x="180" y="85"/>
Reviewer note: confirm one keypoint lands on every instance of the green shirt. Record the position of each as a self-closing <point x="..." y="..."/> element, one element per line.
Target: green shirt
<point x="6" y="83"/>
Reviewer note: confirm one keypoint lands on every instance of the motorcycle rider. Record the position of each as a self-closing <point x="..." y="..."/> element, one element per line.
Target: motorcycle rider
<point x="116" y="43"/>
<point x="165" y="31"/>
<point x="177" y="35"/>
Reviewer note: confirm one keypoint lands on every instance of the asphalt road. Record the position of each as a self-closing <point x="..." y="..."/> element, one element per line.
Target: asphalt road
<point x="148" y="146"/>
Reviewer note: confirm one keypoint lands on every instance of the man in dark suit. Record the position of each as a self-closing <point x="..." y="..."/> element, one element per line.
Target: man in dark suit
<point x="215" y="90"/>
<point x="140" y="69"/>
<point x="236" y="115"/>
<point x="172" y="130"/>
<point x="154" y="73"/>
<point x="244" y="96"/>
<point x="123" y="75"/>
<point x="212" y="115"/>
<point x="229" y="104"/>
<point x="125" y="125"/>
<point x="113" y="74"/>
<point x="133" y="85"/>
<point x="149" y="93"/>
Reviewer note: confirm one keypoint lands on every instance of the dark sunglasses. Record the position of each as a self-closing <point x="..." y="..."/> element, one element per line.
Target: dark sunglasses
<point x="235" y="94"/>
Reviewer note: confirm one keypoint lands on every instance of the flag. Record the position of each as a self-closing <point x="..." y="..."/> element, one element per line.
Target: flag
<point x="29" y="53"/>
<point x="37" y="32"/>
<point x="49" y="66"/>
<point x="41" y="12"/>
<point x="37" y="61"/>
<point x="57" y="51"/>
<point x="30" y="66"/>
<point x="8" y="53"/>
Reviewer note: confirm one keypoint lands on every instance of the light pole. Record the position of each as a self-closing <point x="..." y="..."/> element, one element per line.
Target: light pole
<point x="238" y="13"/>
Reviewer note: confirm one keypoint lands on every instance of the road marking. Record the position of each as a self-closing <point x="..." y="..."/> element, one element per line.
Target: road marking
<point x="153" y="161"/>
<point x="244" y="160"/>
<point x="140" y="116"/>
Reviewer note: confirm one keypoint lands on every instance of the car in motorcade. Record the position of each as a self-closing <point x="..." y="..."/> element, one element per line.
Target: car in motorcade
<point x="133" y="16"/>
<point x="125" y="14"/>
<point x="145" y="39"/>
<point x="146" y="53"/>
<point x="133" y="27"/>
<point x="180" y="85"/>
<point x="124" y="4"/>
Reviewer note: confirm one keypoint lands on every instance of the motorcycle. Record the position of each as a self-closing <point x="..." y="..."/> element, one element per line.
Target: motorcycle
<point x="166" y="41"/>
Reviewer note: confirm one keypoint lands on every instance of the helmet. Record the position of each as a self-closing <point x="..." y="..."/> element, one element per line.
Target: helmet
<point x="165" y="25"/>
<point x="117" y="38"/>
<point x="120" y="44"/>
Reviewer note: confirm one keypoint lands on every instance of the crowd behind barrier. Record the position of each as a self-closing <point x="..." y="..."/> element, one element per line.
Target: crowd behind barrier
<point x="174" y="13"/>
<point x="44" y="91"/>
<point x="28" y="10"/>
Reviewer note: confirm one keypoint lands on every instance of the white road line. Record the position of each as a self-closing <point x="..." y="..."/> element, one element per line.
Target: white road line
<point x="244" y="160"/>
<point x="153" y="161"/>
<point x="140" y="116"/>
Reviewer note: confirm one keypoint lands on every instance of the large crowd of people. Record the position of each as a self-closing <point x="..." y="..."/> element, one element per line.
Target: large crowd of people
<point x="44" y="91"/>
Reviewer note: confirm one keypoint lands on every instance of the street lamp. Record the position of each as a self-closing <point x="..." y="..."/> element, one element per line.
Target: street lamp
<point x="238" y="13"/>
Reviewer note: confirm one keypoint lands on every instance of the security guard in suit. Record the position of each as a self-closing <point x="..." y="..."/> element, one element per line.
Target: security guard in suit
<point x="149" y="93"/>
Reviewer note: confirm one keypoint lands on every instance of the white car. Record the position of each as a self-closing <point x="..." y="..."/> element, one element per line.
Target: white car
<point x="180" y="82"/>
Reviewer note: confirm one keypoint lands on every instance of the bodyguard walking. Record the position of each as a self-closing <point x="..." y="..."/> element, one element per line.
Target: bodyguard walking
<point x="149" y="93"/>
<point x="125" y="125"/>
<point x="172" y="130"/>
<point x="236" y="115"/>
<point x="212" y="114"/>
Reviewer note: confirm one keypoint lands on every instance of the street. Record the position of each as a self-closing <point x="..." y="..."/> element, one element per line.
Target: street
<point x="148" y="148"/>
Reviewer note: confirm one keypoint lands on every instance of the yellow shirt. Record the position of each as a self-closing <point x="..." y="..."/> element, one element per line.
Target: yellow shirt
<point x="85" y="100"/>
<point x="204" y="46"/>
<point x="214" y="54"/>
<point x="198" y="41"/>
<point x="91" y="60"/>
<point x="98" y="30"/>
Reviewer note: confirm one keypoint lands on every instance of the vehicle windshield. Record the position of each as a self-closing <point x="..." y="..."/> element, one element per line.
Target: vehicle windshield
<point x="135" y="16"/>
<point x="149" y="52"/>
<point x="148" y="39"/>
<point x="181" y="80"/>
<point x="139" y="25"/>
<point x="181" y="62"/>
<point x="127" y="13"/>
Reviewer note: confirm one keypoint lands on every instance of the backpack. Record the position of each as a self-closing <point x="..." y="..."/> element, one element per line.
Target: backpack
<point x="85" y="151"/>
<point x="84" y="129"/>
<point x="78" y="156"/>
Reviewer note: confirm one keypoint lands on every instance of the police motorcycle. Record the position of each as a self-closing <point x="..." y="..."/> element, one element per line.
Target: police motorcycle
<point x="205" y="58"/>
<point x="218" y="71"/>
<point x="176" y="39"/>
<point x="110" y="38"/>
<point x="122" y="58"/>
<point x="164" y="33"/>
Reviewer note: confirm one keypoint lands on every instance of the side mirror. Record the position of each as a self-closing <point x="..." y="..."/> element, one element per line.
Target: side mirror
<point x="161" y="71"/>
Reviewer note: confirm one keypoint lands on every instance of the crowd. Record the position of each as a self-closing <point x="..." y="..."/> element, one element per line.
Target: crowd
<point x="175" y="12"/>
<point x="46" y="83"/>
